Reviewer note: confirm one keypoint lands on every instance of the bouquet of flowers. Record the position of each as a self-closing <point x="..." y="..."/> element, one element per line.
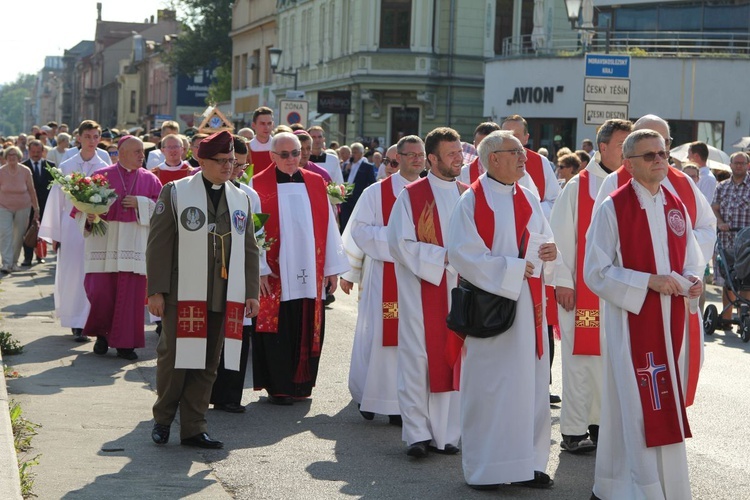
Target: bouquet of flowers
<point x="338" y="193"/>
<point x="258" y="221"/>
<point x="90" y="195"/>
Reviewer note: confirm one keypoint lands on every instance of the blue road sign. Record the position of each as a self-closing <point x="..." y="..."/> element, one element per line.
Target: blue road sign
<point x="607" y="66"/>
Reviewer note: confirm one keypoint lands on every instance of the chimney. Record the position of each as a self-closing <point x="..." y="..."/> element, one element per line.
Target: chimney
<point x="152" y="19"/>
<point x="98" y="11"/>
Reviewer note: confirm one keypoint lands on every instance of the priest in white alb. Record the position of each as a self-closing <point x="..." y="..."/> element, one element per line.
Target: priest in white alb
<point x="505" y="414"/>
<point x="643" y="260"/>
<point x="428" y="352"/>
<point x="372" y="372"/>
<point x="578" y="307"/>
<point x="59" y="228"/>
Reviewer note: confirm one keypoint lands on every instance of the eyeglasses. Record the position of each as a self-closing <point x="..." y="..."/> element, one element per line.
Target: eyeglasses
<point x="739" y="163"/>
<point x="286" y="154"/>
<point x="651" y="156"/>
<point x="515" y="151"/>
<point x="222" y="161"/>
<point x="413" y="156"/>
<point x="172" y="146"/>
<point x="388" y="161"/>
<point x="668" y="141"/>
<point x="113" y="153"/>
<point x="243" y="166"/>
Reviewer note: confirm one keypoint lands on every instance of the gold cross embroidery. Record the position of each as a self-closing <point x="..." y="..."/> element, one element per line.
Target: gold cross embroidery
<point x="587" y="318"/>
<point x="189" y="317"/>
<point x="390" y="310"/>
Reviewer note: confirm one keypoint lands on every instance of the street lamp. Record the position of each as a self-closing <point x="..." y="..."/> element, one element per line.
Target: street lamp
<point x="274" y="56"/>
<point x="574" y="9"/>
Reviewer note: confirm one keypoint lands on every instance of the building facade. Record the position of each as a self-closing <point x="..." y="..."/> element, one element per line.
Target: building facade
<point x="689" y="61"/>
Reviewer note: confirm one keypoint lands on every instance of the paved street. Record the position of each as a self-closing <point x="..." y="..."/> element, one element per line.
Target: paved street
<point x="96" y="419"/>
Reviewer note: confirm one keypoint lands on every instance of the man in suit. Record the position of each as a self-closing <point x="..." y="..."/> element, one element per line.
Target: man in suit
<point x="42" y="178"/>
<point x="359" y="172"/>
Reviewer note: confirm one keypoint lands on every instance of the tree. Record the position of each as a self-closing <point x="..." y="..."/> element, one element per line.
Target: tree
<point x="204" y="42"/>
<point x="12" y="103"/>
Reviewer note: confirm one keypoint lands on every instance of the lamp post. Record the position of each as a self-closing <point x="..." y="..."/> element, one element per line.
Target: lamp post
<point x="274" y="56"/>
<point x="574" y="9"/>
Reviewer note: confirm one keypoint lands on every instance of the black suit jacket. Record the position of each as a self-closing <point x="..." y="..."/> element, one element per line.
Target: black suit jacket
<point x="366" y="175"/>
<point x="41" y="182"/>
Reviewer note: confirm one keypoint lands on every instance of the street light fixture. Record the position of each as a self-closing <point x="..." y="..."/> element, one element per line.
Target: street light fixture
<point x="574" y="9"/>
<point x="274" y="56"/>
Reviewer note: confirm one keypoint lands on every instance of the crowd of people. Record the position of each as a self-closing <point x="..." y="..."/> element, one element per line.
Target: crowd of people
<point x="606" y="245"/>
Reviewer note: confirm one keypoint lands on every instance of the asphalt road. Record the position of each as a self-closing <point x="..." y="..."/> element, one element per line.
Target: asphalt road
<point x="95" y="414"/>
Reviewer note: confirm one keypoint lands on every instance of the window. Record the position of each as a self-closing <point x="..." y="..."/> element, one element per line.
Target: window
<point x="256" y="69"/>
<point x="504" y="21"/>
<point x="395" y="24"/>
<point x="243" y="72"/>
<point x="133" y="95"/>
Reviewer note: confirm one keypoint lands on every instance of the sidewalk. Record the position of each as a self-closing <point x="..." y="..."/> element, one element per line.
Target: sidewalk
<point x="94" y="411"/>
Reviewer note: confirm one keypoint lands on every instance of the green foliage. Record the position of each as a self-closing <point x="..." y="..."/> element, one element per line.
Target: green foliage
<point x="12" y="98"/>
<point x="204" y="40"/>
<point x="23" y="432"/>
<point x="222" y="89"/>
<point x="9" y="345"/>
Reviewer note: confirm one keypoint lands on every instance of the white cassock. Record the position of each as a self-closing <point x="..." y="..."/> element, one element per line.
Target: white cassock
<point x="625" y="467"/>
<point x="71" y="303"/>
<point x="372" y="372"/>
<point x="505" y="414"/>
<point x="427" y="416"/>
<point x="331" y="165"/>
<point x="704" y="232"/>
<point x="525" y="181"/>
<point x="581" y="375"/>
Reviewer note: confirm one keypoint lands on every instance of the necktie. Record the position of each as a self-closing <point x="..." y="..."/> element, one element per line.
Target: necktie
<point x="36" y="169"/>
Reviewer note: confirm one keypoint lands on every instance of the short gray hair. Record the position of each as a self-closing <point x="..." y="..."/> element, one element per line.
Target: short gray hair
<point x="62" y="136"/>
<point x="284" y="135"/>
<point x="408" y="139"/>
<point x="628" y="147"/>
<point x="492" y="142"/>
<point x="357" y="146"/>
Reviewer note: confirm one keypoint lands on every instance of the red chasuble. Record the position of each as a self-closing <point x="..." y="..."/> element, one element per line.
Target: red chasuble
<point x="484" y="218"/>
<point x="443" y="345"/>
<point x="535" y="168"/>
<point x="268" y="317"/>
<point x="390" y="288"/>
<point x="586" y="334"/>
<point x="474" y="172"/>
<point x="167" y="176"/>
<point x="685" y="193"/>
<point x="261" y="161"/>
<point x="659" y="403"/>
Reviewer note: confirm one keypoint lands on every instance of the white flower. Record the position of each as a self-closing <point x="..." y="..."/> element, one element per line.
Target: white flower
<point x="95" y="199"/>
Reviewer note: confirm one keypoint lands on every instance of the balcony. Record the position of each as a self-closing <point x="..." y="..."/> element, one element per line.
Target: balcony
<point x="635" y="43"/>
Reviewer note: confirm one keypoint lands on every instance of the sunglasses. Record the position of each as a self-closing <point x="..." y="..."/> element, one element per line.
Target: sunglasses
<point x="286" y="154"/>
<point x="388" y="161"/>
<point x="651" y="156"/>
<point x="223" y="161"/>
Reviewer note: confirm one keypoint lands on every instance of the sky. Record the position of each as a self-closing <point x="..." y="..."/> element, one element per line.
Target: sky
<point x="33" y="30"/>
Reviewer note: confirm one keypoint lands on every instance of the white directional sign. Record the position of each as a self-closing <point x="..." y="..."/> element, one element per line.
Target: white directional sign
<point x="615" y="90"/>
<point x="597" y="113"/>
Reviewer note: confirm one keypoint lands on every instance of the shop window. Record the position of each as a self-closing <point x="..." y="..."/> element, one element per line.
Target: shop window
<point x="395" y="24"/>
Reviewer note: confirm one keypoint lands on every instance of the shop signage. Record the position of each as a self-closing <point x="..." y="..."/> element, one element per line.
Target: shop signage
<point x="335" y="101"/>
<point x="537" y="95"/>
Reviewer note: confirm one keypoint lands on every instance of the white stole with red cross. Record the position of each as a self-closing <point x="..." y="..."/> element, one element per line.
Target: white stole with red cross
<point x="191" y="210"/>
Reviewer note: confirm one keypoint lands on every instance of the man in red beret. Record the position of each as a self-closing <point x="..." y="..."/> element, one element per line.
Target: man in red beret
<point x="203" y="273"/>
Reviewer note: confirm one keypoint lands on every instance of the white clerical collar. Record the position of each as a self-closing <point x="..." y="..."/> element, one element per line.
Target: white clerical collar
<point x="170" y="168"/>
<point x="438" y="182"/>
<point x="645" y="196"/>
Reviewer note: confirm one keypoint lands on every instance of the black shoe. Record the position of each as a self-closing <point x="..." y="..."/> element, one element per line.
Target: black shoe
<point x="574" y="445"/>
<point x="158" y="327"/>
<point x="417" y="450"/>
<point x="160" y="434"/>
<point x="202" y="440"/>
<point x="594" y="497"/>
<point x="78" y="335"/>
<point x="484" y="487"/>
<point x="101" y="346"/>
<point x="395" y="420"/>
<point x="280" y="400"/>
<point x="26" y="263"/>
<point x="594" y="433"/>
<point x="40" y="261"/>
<point x="448" y="450"/>
<point x="128" y="354"/>
<point x="367" y="415"/>
<point x="554" y="399"/>
<point x="541" y="480"/>
<point x="330" y="299"/>
<point x="230" y="407"/>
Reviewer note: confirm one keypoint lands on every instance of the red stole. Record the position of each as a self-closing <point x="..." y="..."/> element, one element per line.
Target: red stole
<point x="268" y="317"/>
<point x="474" y="172"/>
<point x="535" y="168"/>
<point x="685" y="193"/>
<point x="261" y="161"/>
<point x="648" y="348"/>
<point x="586" y="335"/>
<point x="390" y="288"/>
<point x="484" y="218"/>
<point x="443" y="345"/>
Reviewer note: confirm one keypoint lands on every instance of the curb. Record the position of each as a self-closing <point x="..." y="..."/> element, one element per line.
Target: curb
<point x="10" y="481"/>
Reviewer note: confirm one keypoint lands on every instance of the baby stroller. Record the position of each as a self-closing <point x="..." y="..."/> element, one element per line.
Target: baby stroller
<point x="734" y="267"/>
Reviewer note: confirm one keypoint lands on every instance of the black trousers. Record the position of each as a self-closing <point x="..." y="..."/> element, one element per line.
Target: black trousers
<point x="229" y="384"/>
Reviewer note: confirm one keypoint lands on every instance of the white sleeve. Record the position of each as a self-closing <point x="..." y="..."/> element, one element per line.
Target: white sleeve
<point x="564" y="222"/>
